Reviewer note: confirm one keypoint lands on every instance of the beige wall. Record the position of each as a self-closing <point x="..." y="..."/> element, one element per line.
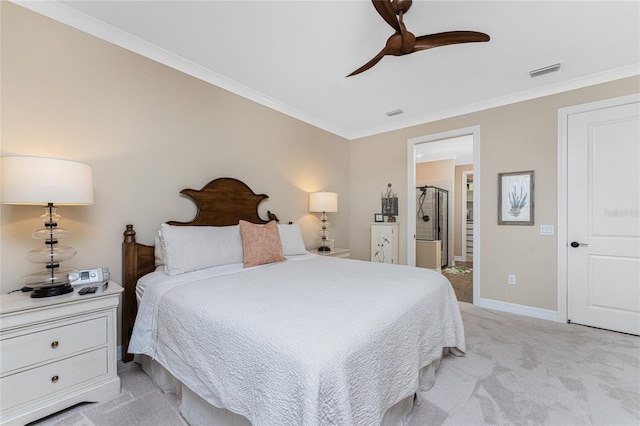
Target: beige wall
<point x="148" y="131"/>
<point x="521" y="136"/>
<point x="434" y="170"/>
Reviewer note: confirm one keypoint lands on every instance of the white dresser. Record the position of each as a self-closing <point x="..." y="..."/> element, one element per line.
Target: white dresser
<point x="384" y="242"/>
<point x="56" y="352"/>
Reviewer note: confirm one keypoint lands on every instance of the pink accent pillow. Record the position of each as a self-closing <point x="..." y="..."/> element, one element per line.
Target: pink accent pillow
<point x="260" y="244"/>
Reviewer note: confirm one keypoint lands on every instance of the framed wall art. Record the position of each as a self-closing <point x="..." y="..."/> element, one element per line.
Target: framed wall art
<point x="515" y="198"/>
<point x="389" y="202"/>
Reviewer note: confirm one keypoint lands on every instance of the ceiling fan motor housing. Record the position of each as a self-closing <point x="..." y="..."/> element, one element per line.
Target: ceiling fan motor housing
<point x="401" y="5"/>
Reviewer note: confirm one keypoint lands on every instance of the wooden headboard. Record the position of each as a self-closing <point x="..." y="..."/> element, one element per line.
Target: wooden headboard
<point x="221" y="202"/>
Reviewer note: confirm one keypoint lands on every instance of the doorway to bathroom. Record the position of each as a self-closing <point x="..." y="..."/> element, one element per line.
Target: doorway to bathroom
<point x="443" y="207"/>
<point x="432" y="227"/>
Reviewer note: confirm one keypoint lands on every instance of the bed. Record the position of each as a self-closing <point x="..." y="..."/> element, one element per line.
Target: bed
<point x="247" y="334"/>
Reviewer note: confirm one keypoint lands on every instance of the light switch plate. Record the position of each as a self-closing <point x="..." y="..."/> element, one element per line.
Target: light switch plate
<point x="546" y="229"/>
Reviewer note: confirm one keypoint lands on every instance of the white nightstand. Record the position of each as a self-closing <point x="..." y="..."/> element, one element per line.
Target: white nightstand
<point x="56" y="352"/>
<point x="341" y="253"/>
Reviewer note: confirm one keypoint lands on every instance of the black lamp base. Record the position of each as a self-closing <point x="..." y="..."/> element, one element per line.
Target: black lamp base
<point x="324" y="248"/>
<point x="55" y="290"/>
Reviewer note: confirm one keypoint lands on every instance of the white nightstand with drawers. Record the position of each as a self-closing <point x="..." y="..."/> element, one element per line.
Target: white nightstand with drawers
<point x="56" y="352"/>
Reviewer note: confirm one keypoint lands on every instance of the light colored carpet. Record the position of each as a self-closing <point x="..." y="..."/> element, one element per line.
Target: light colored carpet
<point x="517" y="371"/>
<point x="526" y="371"/>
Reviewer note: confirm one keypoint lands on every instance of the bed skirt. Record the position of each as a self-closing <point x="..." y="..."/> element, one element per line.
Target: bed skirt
<point x="197" y="411"/>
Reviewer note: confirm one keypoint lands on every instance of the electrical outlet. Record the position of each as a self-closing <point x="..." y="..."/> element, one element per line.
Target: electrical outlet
<point x="511" y="279"/>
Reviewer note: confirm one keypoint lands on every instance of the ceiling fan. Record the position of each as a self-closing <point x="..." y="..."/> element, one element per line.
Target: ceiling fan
<point x="403" y="42"/>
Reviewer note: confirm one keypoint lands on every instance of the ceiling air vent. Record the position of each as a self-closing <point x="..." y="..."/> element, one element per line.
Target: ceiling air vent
<point x="544" y="70"/>
<point x="394" y="112"/>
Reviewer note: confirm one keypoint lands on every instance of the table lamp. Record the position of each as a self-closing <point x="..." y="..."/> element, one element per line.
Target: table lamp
<point x="323" y="202"/>
<point x="38" y="181"/>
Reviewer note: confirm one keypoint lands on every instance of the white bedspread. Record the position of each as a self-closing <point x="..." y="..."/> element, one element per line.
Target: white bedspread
<point x="320" y="341"/>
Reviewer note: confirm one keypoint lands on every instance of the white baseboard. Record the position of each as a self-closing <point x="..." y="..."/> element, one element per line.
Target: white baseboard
<point x="513" y="308"/>
<point x="458" y="258"/>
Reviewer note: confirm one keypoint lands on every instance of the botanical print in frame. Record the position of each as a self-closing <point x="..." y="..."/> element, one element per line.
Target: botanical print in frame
<point x="515" y="198"/>
<point x="390" y="206"/>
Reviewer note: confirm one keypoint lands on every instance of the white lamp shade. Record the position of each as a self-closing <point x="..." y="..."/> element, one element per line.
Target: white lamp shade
<point x="323" y="202"/>
<point x="40" y="180"/>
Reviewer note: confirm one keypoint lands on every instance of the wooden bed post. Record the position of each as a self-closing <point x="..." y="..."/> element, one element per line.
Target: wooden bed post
<point x="129" y="308"/>
<point x="137" y="260"/>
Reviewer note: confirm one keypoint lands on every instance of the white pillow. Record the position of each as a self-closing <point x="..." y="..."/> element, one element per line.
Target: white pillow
<point x="189" y="248"/>
<point x="157" y="251"/>
<point x="291" y="238"/>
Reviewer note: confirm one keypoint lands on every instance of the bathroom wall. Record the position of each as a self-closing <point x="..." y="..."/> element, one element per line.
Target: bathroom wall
<point x="439" y="174"/>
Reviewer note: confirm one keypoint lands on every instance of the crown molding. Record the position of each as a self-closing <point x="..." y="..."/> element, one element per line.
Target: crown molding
<point x="552" y="89"/>
<point x="85" y="23"/>
<point x="60" y="12"/>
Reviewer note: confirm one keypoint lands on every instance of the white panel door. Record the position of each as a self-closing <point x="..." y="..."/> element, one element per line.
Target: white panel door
<point x="604" y="218"/>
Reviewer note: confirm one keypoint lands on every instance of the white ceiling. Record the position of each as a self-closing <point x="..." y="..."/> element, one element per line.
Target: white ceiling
<point x="293" y="55"/>
<point x="458" y="149"/>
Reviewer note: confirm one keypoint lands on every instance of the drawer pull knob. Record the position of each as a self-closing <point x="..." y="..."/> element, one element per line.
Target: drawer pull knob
<point x="54" y="379"/>
<point x="54" y="344"/>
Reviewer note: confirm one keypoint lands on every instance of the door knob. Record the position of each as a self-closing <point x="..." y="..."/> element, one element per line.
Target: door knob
<point x="575" y="244"/>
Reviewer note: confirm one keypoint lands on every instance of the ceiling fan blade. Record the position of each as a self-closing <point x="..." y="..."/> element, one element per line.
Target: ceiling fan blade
<point x="385" y="10"/>
<point x="450" y="37"/>
<point x="371" y="63"/>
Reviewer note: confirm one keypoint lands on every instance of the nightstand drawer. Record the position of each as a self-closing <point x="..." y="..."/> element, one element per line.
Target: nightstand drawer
<point x="38" y="382"/>
<point x="52" y="343"/>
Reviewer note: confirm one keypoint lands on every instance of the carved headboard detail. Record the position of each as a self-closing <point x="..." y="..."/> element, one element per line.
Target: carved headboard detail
<point x="225" y="201"/>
